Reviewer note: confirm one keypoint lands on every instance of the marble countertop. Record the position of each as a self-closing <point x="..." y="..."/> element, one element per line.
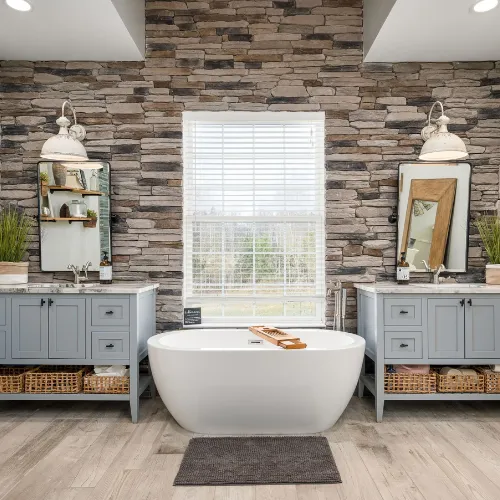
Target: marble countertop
<point x="83" y="288"/>
<point x="429" y="288"/>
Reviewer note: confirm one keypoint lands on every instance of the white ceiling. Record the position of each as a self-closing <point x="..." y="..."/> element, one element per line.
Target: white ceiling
<point x="114" y="30"/>
<point x="429" y="30"/>
<point x="74" y="30"/>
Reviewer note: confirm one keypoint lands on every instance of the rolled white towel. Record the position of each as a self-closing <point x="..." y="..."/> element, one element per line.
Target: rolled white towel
<point x="448" y="370"/>
<point x="111" y="371"/>
<point x="468" y="371"/>
<point x="495" y="368"/>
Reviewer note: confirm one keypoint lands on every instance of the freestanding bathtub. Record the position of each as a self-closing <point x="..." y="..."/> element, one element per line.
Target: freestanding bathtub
<point x="220" y="381"/>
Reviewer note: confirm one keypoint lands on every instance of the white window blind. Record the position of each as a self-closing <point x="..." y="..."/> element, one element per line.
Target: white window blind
<point x="254" y="225"/>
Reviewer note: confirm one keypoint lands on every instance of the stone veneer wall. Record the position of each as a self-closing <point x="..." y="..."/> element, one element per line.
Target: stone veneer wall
<point x="302" y="55"/>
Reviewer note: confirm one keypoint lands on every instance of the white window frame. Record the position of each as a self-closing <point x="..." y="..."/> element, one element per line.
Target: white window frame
<point x="319" y="219"/>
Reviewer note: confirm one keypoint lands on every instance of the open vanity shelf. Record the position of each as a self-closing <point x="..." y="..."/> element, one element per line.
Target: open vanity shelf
<point x="436" y="325"/>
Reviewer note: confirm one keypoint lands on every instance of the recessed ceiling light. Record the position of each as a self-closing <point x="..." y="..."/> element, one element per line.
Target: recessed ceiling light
<point x="21" y="5"/>
<point x="485" y="5"/>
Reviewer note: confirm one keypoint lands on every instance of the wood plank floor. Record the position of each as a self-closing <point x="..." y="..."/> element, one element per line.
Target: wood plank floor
<point x="91" y="451"/>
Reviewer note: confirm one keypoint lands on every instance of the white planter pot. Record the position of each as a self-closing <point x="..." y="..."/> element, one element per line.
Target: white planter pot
<point x="13" y="273"/>
<point x="493" y="274"/>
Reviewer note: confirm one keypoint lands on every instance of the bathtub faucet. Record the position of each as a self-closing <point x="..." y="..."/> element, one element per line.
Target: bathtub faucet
<point x="339" y="303"/>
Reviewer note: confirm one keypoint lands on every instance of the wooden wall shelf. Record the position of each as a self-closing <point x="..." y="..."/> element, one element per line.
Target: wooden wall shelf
<point x="83" y="192"/>
<point x="65" y="219"/>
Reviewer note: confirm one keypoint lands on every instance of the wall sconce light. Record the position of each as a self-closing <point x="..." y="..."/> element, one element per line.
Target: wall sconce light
<point x="482" y="6"/>
<point x="441" y="145"/>
<point x="66" y="145"/>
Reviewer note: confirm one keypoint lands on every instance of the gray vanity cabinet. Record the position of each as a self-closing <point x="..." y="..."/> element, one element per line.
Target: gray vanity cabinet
<point x="81" y="326"/>
<point x="437" y="325"/>
<point x="30" y="328"/>
<point x="482" y="327"/>
<point x="446" y="327"/>
<point x="66" y="327"/>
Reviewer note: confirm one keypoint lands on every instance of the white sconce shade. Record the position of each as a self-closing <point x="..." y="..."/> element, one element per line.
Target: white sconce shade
<point x="441" y="145"/>
<point x="21" y="5"/>
<point x="484" y="6"/>
<point x="66" y="145"/>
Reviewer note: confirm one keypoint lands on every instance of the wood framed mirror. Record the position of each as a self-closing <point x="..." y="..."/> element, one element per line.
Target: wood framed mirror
<point x="427" y="221"/>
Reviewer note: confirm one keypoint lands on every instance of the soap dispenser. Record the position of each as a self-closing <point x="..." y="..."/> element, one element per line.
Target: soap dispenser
<point x="403" y="270"/>
<point x="105" y="270"/>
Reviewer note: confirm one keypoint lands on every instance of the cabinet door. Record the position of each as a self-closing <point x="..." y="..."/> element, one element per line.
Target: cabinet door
<point x="446" y="328"/>
<point x="30" y="327"/>
<point x="67" y="328"/>
<point x="3" y="344"/>
<point x="482" y="328"/>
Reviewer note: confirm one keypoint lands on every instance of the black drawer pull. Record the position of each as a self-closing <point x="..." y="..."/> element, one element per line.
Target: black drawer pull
<point x="469" y="302"/>
<point x="42" y="302"/>
<point x="110" y="346"/>
<point x="50" y="302"/>
<point x="403" y="345"/>
<point x="109" y="312"/>
<point x="403" y="312"/>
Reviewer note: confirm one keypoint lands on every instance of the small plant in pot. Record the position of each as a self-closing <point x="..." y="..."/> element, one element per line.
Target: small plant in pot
<point x="92" y="215"/>
<point x="44" y="183"/>
<point x="15" y="237"/>
<point x="489" y="230"/>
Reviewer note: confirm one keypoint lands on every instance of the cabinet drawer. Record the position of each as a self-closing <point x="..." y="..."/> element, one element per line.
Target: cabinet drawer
<point x="403" y="312"/>
<point x="3" y="341"/>
<point x="110" y="345"/>
<point x="403" y="345"/>
<point x="110" y="312"/>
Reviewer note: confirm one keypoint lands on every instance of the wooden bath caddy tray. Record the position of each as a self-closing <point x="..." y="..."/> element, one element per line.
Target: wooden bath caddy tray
<point x="278" y="337"/>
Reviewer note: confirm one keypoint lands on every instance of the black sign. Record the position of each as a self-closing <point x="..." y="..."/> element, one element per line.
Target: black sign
<point x="192" y="315"/>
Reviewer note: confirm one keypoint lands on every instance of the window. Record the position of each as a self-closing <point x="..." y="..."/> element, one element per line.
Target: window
<point x="254" y="227"/>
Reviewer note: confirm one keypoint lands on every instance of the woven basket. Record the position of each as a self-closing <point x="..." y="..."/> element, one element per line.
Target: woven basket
<point x="93" y="384"/>
<point x="410" y="383"/>
<point x="460" y="383"/>
<point x="491" y="380"/>
<point x="55" y="379"/>
<point x="12" y="379"/>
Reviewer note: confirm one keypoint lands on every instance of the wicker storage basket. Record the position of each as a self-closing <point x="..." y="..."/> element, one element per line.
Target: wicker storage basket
<point x="93" y="384"/>
<point x="410" y="383"/>
<point x="59" y="379"/>
<point x="12" y="378"/>
<point x="491" y="380"/>
<point x="460" y="383"/>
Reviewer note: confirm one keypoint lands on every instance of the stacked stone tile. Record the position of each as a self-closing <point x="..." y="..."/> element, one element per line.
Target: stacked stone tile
<point x="302" y="55"/>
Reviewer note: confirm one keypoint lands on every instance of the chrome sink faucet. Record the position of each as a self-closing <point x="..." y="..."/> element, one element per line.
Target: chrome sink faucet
<point x="436" y="272"/>
<point x="76" y="272"/>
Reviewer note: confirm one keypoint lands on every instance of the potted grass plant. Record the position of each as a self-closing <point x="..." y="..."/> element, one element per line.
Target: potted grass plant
<point x="15" y="237"/>
<point x="489" y="230"/>
<point x="44" y="183"/>
<point x="93" y="216"/>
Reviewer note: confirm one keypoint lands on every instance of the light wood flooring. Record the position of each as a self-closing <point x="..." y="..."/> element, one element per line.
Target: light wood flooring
<point x="91" y="451"/>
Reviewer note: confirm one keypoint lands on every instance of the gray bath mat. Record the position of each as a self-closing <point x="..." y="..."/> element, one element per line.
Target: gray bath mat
<point x="257" y="460"/>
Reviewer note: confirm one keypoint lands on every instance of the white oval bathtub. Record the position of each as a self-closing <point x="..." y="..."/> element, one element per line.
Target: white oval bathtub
<point x="216" y="382"/>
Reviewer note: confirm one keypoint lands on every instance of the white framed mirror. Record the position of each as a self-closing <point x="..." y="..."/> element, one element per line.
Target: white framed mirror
<point x="75" y="214"/>
<point x="420" y="234"/>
